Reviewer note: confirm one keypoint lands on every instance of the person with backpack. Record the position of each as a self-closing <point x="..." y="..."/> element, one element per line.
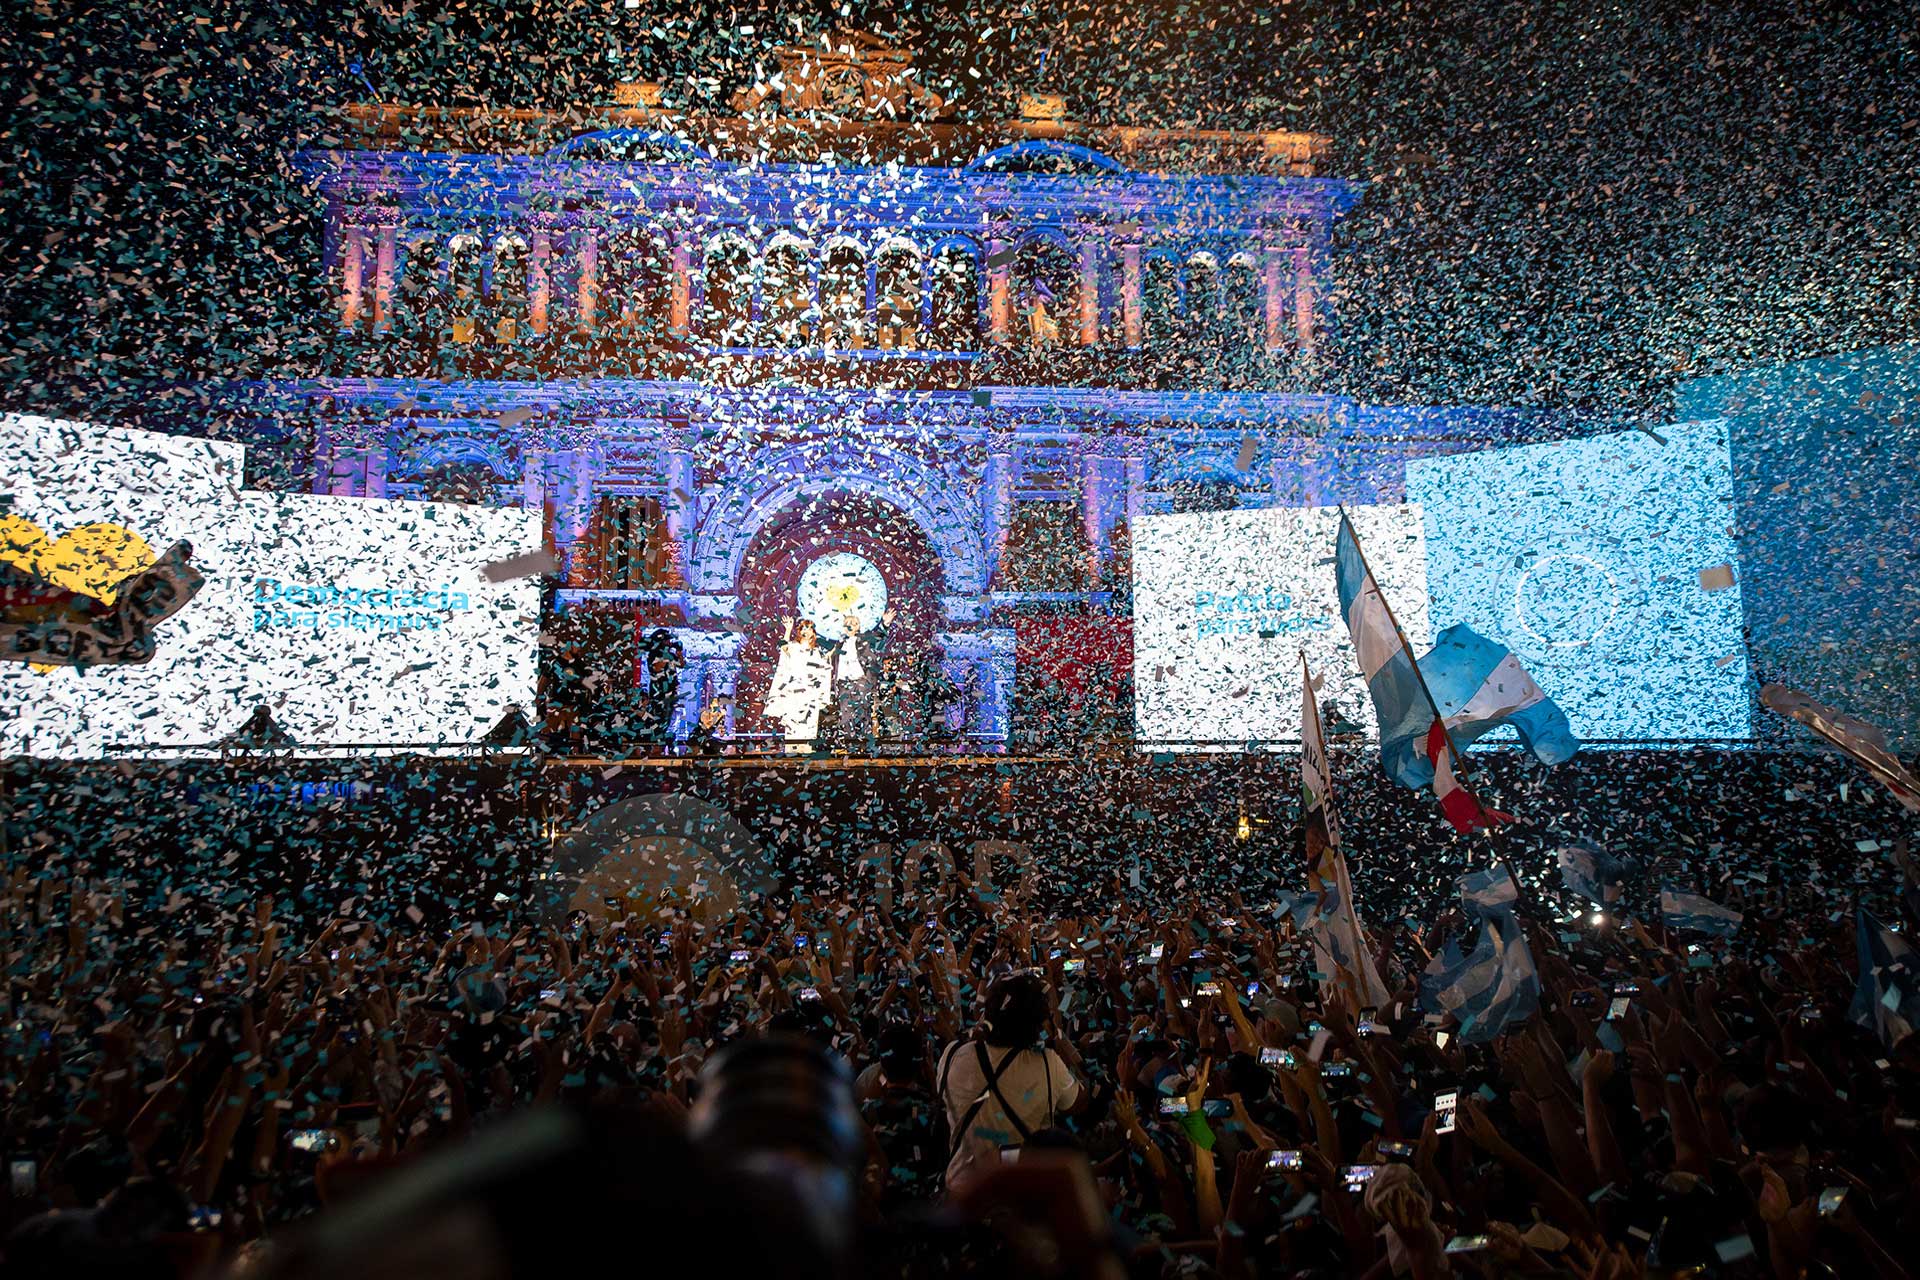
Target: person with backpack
<point x="1002" y="1085"/>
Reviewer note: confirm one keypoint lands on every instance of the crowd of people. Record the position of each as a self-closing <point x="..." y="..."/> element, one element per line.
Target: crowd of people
<point x="1113" y="1086"/>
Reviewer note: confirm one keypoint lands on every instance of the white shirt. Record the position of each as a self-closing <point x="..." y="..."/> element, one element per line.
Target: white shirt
<point x="1024" y="1084"/>
<point x="850" y="668"/>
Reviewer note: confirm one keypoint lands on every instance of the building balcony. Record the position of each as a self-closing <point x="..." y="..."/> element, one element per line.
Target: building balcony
<point x="463" y="349"/>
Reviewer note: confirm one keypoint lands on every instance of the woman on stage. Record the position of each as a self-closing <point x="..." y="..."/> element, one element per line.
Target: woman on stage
<point x="801" y="682"/>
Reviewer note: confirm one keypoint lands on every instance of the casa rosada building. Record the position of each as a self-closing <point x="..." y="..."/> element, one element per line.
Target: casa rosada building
<point x="712" y="349"/>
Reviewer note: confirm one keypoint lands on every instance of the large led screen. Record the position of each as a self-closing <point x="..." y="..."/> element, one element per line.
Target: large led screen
<point x="1607" y="565"/>
<point x="358" y="623"/>
<point x="1225" y="603"/>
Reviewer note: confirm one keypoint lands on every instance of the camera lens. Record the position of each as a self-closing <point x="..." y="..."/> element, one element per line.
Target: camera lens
<point x="782" y="1094"/>
<point x="776" y="1117"/>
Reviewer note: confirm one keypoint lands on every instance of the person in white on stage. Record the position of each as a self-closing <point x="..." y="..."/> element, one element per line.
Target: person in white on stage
<point x="802" y="680"/>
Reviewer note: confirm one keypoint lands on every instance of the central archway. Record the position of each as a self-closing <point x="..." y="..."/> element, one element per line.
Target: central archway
<point x="946" y="519"/>
<point x="805" y="530"/>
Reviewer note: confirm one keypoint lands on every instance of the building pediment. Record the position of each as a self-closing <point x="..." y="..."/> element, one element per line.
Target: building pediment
<point x="851" y="75"/>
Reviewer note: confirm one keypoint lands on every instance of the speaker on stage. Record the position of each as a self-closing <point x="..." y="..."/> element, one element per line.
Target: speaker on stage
<point x="261" y="732"/>
<point x="512" y="731"/>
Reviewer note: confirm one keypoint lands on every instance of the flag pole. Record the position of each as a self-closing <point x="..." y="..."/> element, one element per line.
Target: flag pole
<point x="1418" y="675"/>
<point x="1320" y="730"/>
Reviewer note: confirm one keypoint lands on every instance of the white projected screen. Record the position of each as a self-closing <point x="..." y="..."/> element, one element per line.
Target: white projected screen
<point x="1607" y="566"/>
<point x="1224" y="603"/>
<point x="354" y="621"/>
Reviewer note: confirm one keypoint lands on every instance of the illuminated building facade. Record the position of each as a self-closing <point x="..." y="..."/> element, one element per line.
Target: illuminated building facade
<point x="712" y="348"/>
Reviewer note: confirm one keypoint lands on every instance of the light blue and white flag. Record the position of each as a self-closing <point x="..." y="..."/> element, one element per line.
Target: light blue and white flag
<point x="1479" y="685"/>
<point x="1886" y="1000"/>
<point x="1691" y="913"/>
<point x="1493" y="988"/>
<point x="1488" y="893"/>
<point x="1297" y="907"/>
<point x="1496" y="986"/>
<point x="1385" y="660"/>
<point x="1592" y="872"/>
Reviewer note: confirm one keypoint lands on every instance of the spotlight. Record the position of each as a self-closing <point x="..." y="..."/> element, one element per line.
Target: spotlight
<point x="1245" y="830"/>
<point x="1599" y="918"/>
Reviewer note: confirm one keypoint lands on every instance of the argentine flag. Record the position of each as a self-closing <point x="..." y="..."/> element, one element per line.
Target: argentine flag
<point x="1407" y="715"/>
<point x="1592" y="872"/>
<point x="1886" y="999"/>
<point x="1479" y="685"/>
<point x="1385" y="659"/>
<point x="1691" y="913"/>
<point x="1497" y="985"/>
<point x="1297" y="907"/>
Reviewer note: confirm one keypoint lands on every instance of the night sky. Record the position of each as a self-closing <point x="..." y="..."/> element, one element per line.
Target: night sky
<point x="1571" y="206"/>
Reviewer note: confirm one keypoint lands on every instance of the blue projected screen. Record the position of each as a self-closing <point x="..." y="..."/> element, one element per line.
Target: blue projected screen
<point x="1607" y="566"/>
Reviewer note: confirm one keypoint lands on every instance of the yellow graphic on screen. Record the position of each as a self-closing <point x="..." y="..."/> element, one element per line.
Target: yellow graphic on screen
<point x="843" y="596"/>
<point x="93" y="560"/>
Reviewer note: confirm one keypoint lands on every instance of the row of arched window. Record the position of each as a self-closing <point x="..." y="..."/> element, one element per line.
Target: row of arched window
<point x="791" y="293"/>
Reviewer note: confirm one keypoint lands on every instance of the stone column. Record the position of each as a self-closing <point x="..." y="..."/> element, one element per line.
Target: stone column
<point x="1132" y="291"/>
<point x="999" y="290"/>
<point x="682" y="505"/>
<point x="1276" y="288"/>
<point x="1303" y="298"/>
<point x="352" y="289"/>
<point x="1090" y="288"/>
<point x="1136" y="500"/>
<point x="539" y="283"/>
<point x="589" y="303"/>
<point x="321" y="478"/>
<point x="383" y="265"/>
<point x="573" y="501"/>
<point x="1097" y="506"/>
<point x="712" y="671"/>
<point x="377" y="470"/>
<point x="1318" y="469"/>
<point x="333" y="471"/>
<point x="984" y="659"/>
<point x="682" y="307"/>
<point x="996" y="500"/>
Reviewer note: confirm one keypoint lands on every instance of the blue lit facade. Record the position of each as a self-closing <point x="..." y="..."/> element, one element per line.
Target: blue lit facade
<point x="690" y="331"/>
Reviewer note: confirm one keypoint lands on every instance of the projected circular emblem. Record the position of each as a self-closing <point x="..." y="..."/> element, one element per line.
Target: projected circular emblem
<point x="1575" y="599"/>
<point x="838" y="584"/>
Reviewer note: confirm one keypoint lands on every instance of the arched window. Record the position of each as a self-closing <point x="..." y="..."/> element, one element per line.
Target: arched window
<point x="956" y="299"/>
<point x="843" y="294"/>
<point x="1160" y="300"/>
<point x="637" y="296"/>
<point x="1203" y="493"/>
<point x="1045" y="277"/>
<point x="786" y="292"/>
<point x="1203" y="293"/>
<point x="510" y="258"/>
<point x="417" y="303"/>
<point x="625" y="546"/>
<point x="729" y="288"/>
<point x="1047" y="549"/>
<point x="508" y="295"/>
<point x="897" y="274"/>
<point x="464" y="269"/>
<point x="464" y="481"/>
